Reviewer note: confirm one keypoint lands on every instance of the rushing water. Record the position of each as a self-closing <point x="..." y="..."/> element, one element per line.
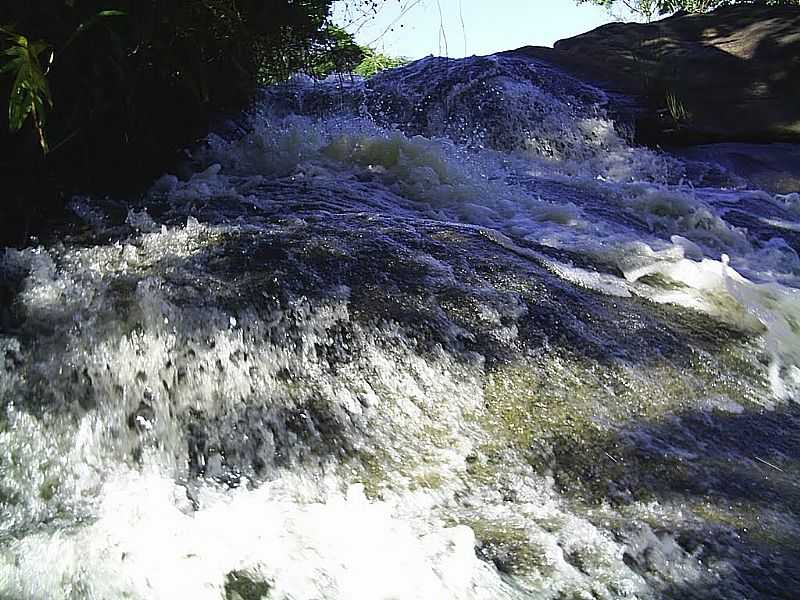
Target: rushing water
<point x="443" y="334"/>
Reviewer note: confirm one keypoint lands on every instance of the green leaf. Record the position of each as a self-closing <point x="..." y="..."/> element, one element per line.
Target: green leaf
<point x="30" y="93"/>
<point x="91" y="23"/>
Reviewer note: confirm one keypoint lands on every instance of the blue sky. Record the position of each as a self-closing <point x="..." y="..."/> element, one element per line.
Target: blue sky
<point x="455" y="28"/>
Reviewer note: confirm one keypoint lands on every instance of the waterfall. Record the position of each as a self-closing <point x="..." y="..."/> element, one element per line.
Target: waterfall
<point x="443" y="333"/>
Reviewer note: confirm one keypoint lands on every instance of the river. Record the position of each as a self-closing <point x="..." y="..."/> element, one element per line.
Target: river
<point x="446" y="333"/>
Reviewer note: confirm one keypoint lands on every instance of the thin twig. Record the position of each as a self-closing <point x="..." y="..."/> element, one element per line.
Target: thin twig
<point x="769" y="464"/>
<point x="442" y="34"/>
<point x="463" y="26"/>
<point x="402" y="14"/>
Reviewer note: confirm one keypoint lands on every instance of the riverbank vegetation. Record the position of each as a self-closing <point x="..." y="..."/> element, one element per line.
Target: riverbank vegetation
<point x="101" y="96"/>
<point x="650" y="9"/>
<point x="374" y="62"/>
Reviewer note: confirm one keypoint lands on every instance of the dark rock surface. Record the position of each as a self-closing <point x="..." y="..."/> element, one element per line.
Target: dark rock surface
<point x="771" y="167"/>
<point x="729" y="75"/>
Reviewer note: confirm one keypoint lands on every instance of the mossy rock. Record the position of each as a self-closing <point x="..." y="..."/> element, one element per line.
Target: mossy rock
<point x="508" y="547"/>
<point x="240" y="585"/>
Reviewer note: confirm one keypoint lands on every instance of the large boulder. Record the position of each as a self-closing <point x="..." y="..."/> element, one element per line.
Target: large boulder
<point x="729" y="75"/>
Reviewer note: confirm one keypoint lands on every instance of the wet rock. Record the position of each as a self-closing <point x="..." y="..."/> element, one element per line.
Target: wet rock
<point x="771" y="167"/>
<point x="728" y="75"/>
<point x="143" y="418"/>
<point x="257" y="440"/>
<point x="241" y="586"/>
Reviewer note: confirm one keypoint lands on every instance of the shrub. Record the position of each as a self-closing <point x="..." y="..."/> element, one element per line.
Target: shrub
<point x="374" y="62"/>
<point x="650" y="8"/>
<point x="102" y="95"/>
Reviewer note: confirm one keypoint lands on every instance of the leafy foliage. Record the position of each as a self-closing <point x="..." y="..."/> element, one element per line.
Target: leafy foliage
<point x="118" y="97"/>
<point x="30" y="93"/>
<point x="97" y="103"/>
<point x="374" y="62"/>
<point x="335" y="52"/>
<point x="650" y="8"/>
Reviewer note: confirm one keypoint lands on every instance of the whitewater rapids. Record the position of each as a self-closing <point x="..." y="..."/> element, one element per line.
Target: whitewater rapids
<point x="446" y="333"/>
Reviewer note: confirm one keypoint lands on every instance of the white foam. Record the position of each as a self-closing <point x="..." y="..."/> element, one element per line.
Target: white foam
<point x="144" y="543"/>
